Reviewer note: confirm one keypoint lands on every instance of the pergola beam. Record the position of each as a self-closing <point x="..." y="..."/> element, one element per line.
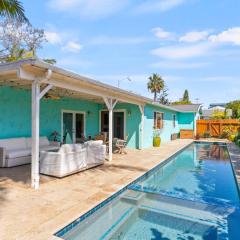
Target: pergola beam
<point x="83" y="89"/>
<point x="45" y="90"/>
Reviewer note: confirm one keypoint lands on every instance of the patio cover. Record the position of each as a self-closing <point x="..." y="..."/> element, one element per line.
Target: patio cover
<point x="44" y="78"/>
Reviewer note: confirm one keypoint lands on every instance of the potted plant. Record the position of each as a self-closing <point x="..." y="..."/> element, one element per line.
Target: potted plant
<point x="156" y="138"/>
<point x="55" y="136"/>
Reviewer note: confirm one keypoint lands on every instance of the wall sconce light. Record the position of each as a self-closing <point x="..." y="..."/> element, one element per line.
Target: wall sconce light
<point x="129" y="113"/>
<point x="88" y="113"/>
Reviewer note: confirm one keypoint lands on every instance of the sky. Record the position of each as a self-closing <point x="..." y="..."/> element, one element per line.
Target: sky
<point x="192" y="44"/>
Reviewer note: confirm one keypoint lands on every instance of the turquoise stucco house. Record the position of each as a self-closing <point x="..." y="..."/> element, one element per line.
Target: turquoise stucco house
<point x="38" y="99"/>
<point x="84" y="114"/>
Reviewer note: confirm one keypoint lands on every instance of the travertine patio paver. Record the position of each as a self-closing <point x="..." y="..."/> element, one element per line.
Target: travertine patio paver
<point x="28" y="214"/>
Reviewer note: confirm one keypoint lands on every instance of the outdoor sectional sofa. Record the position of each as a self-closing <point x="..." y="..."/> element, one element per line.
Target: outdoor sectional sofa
<point x="17" y="151"/>
<point x="72" y="158"/>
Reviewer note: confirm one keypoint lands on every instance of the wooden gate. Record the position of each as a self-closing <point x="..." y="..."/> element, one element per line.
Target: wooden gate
<point x="215" y="127"/>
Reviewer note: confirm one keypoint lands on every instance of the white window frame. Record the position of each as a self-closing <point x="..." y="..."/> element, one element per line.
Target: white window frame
<point x="155" y="122"/>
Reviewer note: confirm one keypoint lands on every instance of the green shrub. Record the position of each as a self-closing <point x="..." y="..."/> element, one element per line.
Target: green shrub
<point x="227" y="132"/>
<point x="232" y="138"/>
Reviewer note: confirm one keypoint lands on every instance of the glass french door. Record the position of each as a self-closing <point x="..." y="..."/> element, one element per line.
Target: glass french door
<point x="72" y="126"/>
<point x="118" y="123"/>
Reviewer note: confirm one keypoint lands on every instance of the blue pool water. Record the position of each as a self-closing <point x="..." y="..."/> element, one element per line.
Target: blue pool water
<point x="192" y="196"/>
<point x="201" y="172"/>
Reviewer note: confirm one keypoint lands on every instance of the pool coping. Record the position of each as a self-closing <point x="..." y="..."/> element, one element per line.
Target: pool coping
<point x="68" y="227"/>
<point x="231" y="156"/>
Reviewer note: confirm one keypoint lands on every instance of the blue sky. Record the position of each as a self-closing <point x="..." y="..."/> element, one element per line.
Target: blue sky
<point x="192" y="44"/>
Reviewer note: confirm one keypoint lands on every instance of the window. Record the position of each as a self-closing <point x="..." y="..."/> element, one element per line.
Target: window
<point x="174" y="120"/>
<point x="158" y="120"/>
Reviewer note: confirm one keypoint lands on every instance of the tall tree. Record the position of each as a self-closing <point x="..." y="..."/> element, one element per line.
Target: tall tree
<point x="12" y="9"/>
<point x="155" y="84"/>
<point x="185" y="96"/>
<point x="19" y="40"/>
<point x="184" y="100"/>
<point x="163" y="99"/>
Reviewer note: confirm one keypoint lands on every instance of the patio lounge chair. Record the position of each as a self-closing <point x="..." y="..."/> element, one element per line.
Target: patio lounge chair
<point x="119" y="145"/>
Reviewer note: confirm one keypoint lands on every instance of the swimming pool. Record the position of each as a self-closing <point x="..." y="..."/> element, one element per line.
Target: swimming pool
<point x="193" y="195"/>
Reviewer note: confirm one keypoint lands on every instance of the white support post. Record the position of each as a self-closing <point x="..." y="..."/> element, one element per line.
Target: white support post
<point x="35" y="134"/>
<point x="110" y="133"/>
<point x="110" y="103"/>
<point x="141" y="137"/>
<point x="36" y="97"/>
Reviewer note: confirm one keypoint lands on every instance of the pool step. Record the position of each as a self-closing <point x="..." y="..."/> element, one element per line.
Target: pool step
<point x="184" y="210"/>
<point x="133" y="197"/>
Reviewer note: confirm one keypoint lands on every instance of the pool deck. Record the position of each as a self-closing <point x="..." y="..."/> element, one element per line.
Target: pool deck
<point x="234" y="152"/>
<point x="27" y="214"/>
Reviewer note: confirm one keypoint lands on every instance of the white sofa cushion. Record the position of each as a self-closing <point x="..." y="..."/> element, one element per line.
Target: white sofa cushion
<point x="47" y="148"/>
<point x="94" y="143"/>
<point x="43" y="141"/>
<point x="13" y="143"/>
<point x="18" y="153"/>
<point x="68" y="148"/>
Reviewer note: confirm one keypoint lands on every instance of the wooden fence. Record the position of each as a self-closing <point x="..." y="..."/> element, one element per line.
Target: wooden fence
<point x="216" y="127"/>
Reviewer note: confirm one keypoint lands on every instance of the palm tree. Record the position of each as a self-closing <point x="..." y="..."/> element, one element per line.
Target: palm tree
<point x="12" y="9"/>
<point x="155" y="85"/>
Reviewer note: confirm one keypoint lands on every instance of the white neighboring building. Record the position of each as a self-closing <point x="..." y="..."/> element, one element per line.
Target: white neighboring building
<point x="207" y="113"/>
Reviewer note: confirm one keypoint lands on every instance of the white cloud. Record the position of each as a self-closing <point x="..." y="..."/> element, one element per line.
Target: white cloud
<point x="117" y="40"/>
<point x="194" y="36"/>
<point x="232" y="35"/>
<point x="88" y="8"/>
<point x="182" y="51"/>
<point x="53" y="37"/>
<point x="72" y="46"/>
<point x="178" y="65"/>
<point x="158" y="5"/>
<point x="162" y="34"/>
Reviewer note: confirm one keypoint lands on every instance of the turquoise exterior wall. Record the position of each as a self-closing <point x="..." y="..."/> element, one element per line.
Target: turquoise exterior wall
<point x="167" y="130"/>
<point x="186" y="120"/>
<point x="15" y="117"/>
<point x="132" y="120"/>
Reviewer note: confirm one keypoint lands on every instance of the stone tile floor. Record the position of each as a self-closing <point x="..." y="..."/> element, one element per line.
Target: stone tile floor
<point x="29" y="214"/>
<point x="234" y="152"/>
